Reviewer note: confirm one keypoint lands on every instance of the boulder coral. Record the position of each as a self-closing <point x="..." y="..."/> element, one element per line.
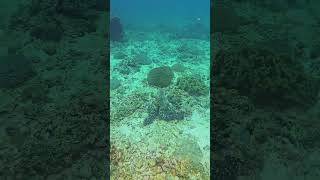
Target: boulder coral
<point x="160" y="77"/>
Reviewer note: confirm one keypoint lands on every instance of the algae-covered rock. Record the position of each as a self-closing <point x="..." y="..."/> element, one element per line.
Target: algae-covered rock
<point x="265" y="77"/>
<point x="160" y="77"/>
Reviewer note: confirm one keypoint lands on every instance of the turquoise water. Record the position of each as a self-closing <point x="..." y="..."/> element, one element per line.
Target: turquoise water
<point x="173" y="13"/>
<point x="159" y="75"/>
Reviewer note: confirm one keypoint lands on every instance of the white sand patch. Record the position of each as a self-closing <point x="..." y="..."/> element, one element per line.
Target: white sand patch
<point x="199" y="127"/>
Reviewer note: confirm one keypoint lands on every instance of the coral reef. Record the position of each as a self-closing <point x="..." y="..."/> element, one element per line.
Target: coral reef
<point x="178" y="68"/>
<point x="126" y="106"/>
<point x="194" y="85"/>
<point x="52" y="20"/>
<point x="188" y="53"/>
<point x="127" y="66"/>
<point x="47" y="149"/>
<point x="177" y="97"/>
<point x="15" y="70"/>
<point x="54" y="120"/>
<point x="265" y="91"/>
<point x="129" y="161"/>
<point x="232" y="155"/>
<point x="224" y="18"/>
<point x="162" y="109"/>
<point x="47" y="32"/>
<point x="77" y="7"/>
<point x="141" y="59"/>
<point x="160" y="77"/>
<point x="120" y="55"/>
<point x="131" y="65"/>
<point x="270" y="76"/>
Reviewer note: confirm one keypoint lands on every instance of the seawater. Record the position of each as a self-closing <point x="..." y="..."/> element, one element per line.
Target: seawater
<point x="159" y="83"/>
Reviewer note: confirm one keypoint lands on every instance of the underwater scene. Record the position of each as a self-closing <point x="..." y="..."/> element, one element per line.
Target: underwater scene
<point x="263" y="72"/>
<point x="159" y="90"/>
<point x="53" y="90"/>
<point x="265" y="60"/>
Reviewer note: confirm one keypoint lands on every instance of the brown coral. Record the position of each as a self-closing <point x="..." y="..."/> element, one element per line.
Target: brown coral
<point x="160" y="77"/>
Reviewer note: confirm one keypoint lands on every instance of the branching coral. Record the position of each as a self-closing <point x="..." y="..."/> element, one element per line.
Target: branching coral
<point x="193" y="85"/>
<point x="124" y="107"/>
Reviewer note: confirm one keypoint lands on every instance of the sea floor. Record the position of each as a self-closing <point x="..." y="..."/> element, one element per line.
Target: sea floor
<point x="164" y="149"/>
<point x="50" y="110"/>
